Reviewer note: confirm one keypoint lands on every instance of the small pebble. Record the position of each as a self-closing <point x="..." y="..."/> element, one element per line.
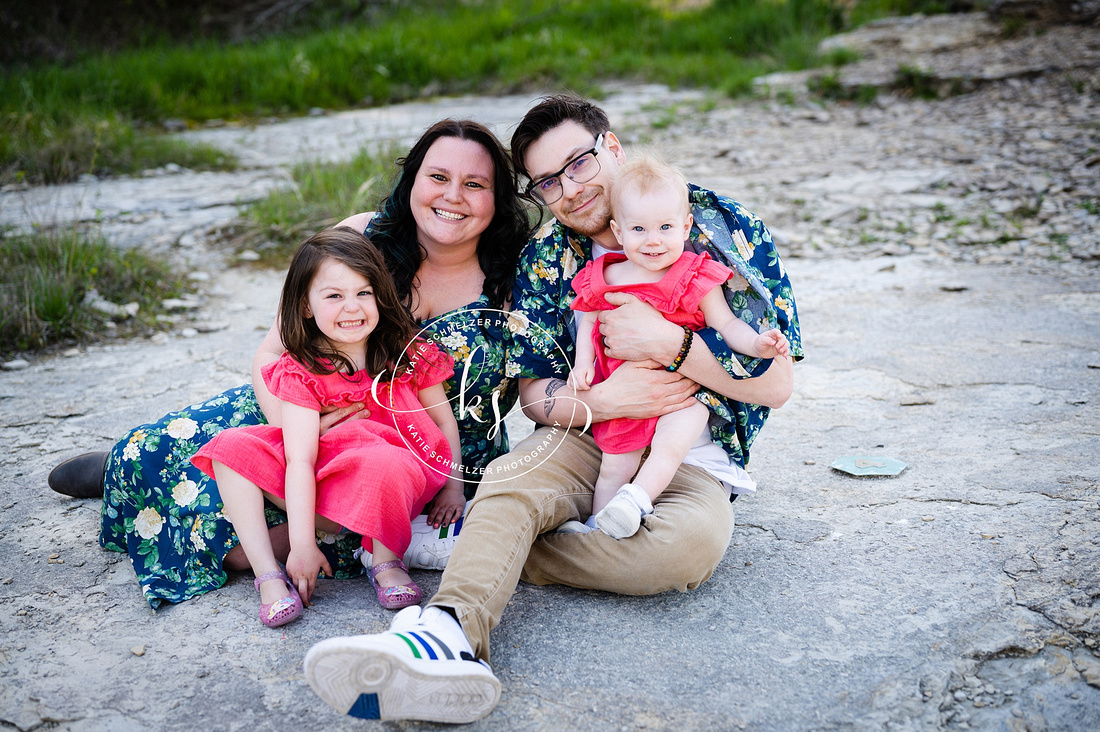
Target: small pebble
<point x="138" y="650"/>
<point x="987" y="536"/>
<point x="927" y="518"/>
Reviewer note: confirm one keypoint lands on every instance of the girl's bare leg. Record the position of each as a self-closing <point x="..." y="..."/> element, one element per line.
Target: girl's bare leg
<point x="673" y="438"/>
<point x="615" y="470"/>
<point x="243" y="503"/>
<point x="388" y="577"/>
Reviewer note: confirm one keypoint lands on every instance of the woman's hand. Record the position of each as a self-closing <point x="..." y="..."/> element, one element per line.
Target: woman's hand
<point x="302" y="567"/>
<point x="447" y="506"/>
<point x="343" y="414"/>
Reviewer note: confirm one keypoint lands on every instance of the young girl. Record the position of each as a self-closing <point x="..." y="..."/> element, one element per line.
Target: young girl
<point x="348" y="340"/>
<point x="651" y="219"/>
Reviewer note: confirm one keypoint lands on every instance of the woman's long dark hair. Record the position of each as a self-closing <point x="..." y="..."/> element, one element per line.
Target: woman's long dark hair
<point x="301" y="336"/>
<point x="394" y="230"/>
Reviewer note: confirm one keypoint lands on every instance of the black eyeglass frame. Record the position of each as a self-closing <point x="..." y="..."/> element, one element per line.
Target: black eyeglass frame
<point x="594" y="152"/>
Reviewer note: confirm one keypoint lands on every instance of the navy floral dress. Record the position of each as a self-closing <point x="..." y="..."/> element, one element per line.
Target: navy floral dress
<point x="167" y="515"/>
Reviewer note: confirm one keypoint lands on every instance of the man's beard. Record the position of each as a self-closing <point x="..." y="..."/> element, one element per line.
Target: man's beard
<point x="592" y="221"/>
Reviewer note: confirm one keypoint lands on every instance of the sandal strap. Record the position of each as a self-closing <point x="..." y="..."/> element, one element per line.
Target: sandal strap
<point x="387" y="565"/>
<point x="277" y="574"/>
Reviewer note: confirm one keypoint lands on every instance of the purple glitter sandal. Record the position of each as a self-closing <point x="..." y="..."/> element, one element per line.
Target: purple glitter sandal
<point x="281" y="611"/>
<point x="398" y="596"/>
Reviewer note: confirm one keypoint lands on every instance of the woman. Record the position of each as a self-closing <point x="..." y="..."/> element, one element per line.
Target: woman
<point x="451" y="231"/>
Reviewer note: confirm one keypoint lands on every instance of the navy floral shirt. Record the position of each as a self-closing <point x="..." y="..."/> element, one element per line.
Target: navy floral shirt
<point x="545" y="330"/>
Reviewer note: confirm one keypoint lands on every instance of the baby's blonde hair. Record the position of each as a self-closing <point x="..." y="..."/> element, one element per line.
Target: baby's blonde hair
<point x="646" y="173"/>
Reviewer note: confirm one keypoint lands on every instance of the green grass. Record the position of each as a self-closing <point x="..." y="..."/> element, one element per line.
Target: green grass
<point x="320" y="195"/>
<point x="59" y="121"/>
<point x="38" y="148"/>
<point x="45" y="277"/>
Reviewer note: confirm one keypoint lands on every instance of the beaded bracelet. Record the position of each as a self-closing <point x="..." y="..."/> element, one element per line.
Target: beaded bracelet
<point x="684" y="348"/>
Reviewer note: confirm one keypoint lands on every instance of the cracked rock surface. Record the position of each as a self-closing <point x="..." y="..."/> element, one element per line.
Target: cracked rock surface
<point x="945" y="258"/>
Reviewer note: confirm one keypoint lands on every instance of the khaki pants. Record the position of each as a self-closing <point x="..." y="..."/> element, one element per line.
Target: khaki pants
<point x="547" y="480"/>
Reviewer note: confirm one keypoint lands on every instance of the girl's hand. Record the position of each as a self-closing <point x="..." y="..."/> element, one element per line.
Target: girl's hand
<point x="581" y="378"/>
<point x="772" y="343"/>
<point x="343" y="414"/>
<point x="447" y="506"/>
<point x="302" y="567"/>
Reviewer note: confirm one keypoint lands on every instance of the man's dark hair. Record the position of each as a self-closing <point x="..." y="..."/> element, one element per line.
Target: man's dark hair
<point x="550" y="112"/>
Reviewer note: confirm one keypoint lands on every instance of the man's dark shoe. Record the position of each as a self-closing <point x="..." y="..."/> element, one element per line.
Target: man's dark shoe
<point x="80" y="476"/>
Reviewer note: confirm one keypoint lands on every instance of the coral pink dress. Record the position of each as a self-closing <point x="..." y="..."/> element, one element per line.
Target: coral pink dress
<point x="677" y="296"/>
<point x="373" y="474"/>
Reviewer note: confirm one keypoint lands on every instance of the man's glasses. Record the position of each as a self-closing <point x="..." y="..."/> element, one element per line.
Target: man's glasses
<point x="580" y="169"/>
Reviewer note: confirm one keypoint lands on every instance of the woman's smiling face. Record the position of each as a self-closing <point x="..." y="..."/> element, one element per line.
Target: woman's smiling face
<point x="452" y="197"/>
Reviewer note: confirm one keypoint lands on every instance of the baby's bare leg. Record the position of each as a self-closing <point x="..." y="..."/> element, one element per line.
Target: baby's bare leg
<point x="615" y="470"/>
<point x="673" y="438"/>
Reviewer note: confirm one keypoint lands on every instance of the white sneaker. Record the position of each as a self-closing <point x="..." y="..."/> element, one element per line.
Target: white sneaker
<point x="573" y="527"/>
<point x="423" y="668"/>
<point x="430" y="547"/>
<point x="622" y="515"/>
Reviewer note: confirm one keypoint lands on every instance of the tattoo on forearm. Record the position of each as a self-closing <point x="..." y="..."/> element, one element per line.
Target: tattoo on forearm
<point x="552" y="388"/>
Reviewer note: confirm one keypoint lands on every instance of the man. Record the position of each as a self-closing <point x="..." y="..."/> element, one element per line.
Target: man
<point x="524" y="522"/>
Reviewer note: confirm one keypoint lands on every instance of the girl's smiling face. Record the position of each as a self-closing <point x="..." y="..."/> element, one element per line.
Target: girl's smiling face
<point x="452" y="197"/>
<point x="341" y="302"/>
<point x="652" y="227"/>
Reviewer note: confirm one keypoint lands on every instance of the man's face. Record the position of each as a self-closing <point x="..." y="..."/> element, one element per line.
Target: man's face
<point x="583" y="207"/>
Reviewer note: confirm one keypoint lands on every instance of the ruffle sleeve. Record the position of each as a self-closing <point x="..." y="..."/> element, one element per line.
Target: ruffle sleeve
<point x="290" y="381"/>
<point x="702" y="276"/>
<point x="425" y="364"/>
<point x="587" y="299"/>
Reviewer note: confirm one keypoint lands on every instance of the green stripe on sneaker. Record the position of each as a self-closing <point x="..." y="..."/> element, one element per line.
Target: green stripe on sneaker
<point x="412" y="646"/>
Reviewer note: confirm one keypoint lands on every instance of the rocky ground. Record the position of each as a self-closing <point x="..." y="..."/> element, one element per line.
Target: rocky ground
<point x="945" y="255"/>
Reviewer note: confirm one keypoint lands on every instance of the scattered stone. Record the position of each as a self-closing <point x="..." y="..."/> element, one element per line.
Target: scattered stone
<point x="175" y="303"/>
<point x="138" y="650"/>
<point x="97" y="302"/>
<point x="16" y="365"/>
<point x="248" y="256"/>
<point x="209" y="327"/>
<point x="189" y="333"/>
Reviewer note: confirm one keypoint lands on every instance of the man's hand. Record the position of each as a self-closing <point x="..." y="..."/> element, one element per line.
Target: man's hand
<point x="640" y="390"/>
<point x="636" y="331"/>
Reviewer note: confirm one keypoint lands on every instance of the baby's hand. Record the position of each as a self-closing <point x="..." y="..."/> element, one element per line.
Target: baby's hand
<point x="447" y="506"/>
<point x="772" y="343"/>
<point x="581" y="377"/>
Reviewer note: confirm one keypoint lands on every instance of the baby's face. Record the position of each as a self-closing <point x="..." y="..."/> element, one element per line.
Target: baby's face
<point x="652" y="227"/>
